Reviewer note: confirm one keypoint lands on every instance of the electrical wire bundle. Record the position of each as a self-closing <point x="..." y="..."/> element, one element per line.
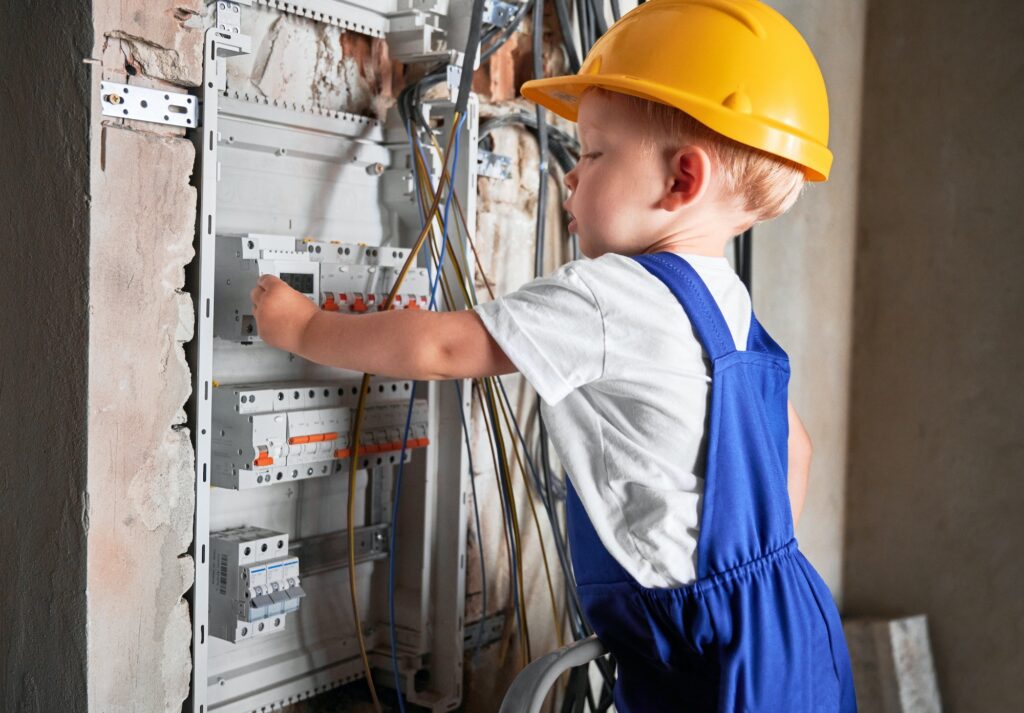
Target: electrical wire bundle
<point x="513" y="452"/>
<point x="490" y="392"/>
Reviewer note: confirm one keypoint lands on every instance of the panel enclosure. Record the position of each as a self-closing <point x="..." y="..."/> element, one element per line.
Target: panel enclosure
<point x="324" y="200"/>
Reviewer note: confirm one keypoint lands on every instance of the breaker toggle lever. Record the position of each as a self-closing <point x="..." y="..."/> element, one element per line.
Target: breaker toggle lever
<point x="329" y="304"/>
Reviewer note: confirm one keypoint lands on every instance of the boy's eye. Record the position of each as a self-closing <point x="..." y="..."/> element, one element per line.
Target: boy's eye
<point x="591" y="155"/>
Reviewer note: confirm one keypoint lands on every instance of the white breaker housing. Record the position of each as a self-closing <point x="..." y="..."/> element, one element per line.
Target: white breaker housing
<point x="255" y="583"/>
<point x="271" y="433"/>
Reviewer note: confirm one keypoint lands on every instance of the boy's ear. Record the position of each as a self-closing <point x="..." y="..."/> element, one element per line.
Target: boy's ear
<point x="688" y="179"/>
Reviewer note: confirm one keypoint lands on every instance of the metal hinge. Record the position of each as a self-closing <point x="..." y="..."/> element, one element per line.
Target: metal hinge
<point x="493" y="165"/>
<point x="130" y="101"/>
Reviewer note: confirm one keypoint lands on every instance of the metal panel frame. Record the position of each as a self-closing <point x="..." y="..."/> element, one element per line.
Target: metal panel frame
<point x="435" y="504"/>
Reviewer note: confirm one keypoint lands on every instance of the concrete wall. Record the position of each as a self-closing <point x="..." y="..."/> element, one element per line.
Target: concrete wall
<point x="934" y="520"/>
<point x="803" y="278"/>
<point x="44" y="234"/>
<point x="141" y="472"/>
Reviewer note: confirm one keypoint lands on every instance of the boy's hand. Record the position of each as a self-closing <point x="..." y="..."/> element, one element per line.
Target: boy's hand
<point x="281" y="313"/>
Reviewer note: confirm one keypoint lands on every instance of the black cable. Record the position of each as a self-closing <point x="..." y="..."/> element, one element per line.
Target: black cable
<point x="565" y="27"/>
<point x="469" y="58"/>
<point x="743" y="257"/>
<point x="748" y="260"/>
<point x="542" y="139"/>
<point x="597" y="14"/>
<point x="583" y="22"/>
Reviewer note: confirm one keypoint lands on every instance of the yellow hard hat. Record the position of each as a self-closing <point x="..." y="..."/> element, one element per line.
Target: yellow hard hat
<point x="737" y="66"/>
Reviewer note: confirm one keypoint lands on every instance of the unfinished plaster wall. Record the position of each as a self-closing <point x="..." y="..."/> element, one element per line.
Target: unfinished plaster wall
<point x="141" y="472"/>
<point x="934" y="520"/>
<point x="803" y="278"/>
<point x="44" y="234"/>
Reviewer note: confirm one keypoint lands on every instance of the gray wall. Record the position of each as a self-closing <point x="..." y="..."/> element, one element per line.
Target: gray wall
<point x="803" y="278"/>
<point x="935" y="493"/>
<point x="44" y="250"/>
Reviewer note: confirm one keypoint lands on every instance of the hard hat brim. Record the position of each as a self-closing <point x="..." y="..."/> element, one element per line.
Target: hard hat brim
<point x="562" y="95"/>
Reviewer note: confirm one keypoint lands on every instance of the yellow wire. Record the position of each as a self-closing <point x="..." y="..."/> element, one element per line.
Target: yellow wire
<point x="515" y="562"/>
<point x="499" y="440"/>
<point x="524" y="626"/>
<point x="357" y="426"/>
<point x="506" y="417"/>
<point x="430" y="228"/>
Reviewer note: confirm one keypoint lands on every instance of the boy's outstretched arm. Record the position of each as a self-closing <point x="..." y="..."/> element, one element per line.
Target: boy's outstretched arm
<point x="404" y="344"/>
<point x="799" y="463"/>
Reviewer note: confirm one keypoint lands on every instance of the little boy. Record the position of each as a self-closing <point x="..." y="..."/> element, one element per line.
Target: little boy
<point x="665" y="398"/>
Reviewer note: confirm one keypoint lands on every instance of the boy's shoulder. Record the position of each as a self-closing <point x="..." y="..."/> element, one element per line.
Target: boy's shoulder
<point x="611" y="275"/>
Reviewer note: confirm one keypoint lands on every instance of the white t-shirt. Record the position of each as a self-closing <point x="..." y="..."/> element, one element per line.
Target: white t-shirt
<point x="624" y="383"/>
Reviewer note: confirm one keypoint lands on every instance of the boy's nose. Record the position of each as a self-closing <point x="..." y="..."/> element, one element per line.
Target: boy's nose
<point x="570" y="180"/>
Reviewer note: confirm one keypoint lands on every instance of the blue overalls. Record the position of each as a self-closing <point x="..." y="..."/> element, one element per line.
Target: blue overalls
<point x="757" y="632"/>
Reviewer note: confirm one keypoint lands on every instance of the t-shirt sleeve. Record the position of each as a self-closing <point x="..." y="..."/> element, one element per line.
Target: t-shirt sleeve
<point x="552" y="329"/>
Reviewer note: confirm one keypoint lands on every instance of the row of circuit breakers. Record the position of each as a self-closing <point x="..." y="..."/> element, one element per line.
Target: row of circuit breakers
<point x="269" y="433"/>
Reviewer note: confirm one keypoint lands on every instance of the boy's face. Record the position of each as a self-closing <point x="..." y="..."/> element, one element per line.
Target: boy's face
<point x="617" y="184"/>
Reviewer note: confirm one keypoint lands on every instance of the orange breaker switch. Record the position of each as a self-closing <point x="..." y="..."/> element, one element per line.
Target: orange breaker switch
<point x="329" y="304"/>
<point x="263" y="459"/>
<point x="295" y="440"/>
<point x="342" y="453"/>
<point x="358" y="305"/>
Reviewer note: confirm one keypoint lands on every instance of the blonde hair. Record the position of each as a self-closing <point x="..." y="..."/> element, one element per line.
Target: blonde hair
<point x="766" y="185"/>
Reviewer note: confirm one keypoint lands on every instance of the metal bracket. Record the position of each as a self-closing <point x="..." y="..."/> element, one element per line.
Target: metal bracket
<point x="454" y="73"/>
<point x="488" y="629"/>
<point x="230" y="40"/>
<point x="493" y="165"/>
<point x="130" y="101"/>
<point x="500" y="13"/>
<point x="229" y="16"/>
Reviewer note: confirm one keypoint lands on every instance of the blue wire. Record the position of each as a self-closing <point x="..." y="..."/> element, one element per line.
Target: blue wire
<point x="392" y="629"/>
<point x="447" y="207"/>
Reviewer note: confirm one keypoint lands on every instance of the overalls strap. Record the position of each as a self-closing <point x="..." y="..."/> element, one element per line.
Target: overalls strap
<point x="684" y="282"/>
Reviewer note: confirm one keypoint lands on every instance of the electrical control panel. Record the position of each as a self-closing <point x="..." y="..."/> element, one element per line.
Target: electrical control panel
<point x="294" y="184"/>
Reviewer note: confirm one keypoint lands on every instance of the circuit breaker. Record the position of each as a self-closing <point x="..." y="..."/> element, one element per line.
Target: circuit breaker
<point x="255" y="583"/>
<point x="270" y="433"/>
<point x="336" y="276"/>
<point x="327" y="201"/>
